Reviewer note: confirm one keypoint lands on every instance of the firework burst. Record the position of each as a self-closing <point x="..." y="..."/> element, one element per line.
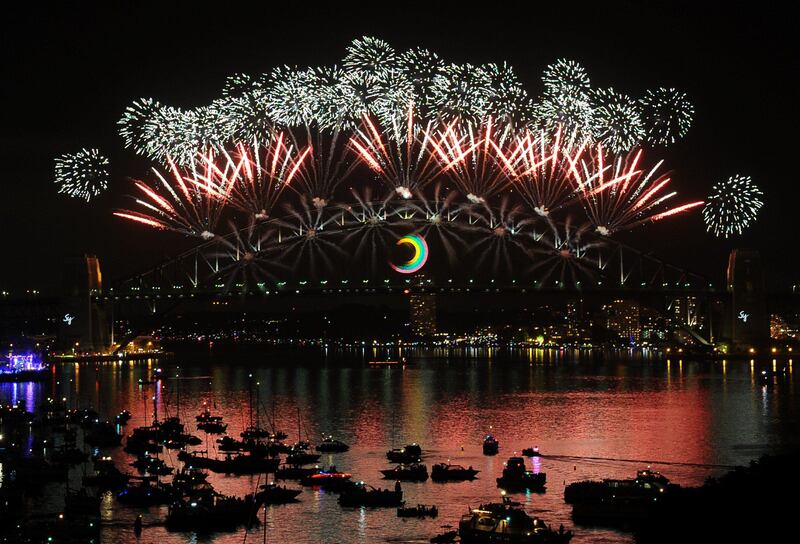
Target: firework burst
<point x="542" y="169"/>
<point x="185" y="201"/>
<point x="466" y="155"/>
<point x="421" y="67"/>
<point x="399" y="154"/>
<point x="732" y="206"/>
<point x="462" y="90"/>
<point x="371" y="57"/>
<point x="617" y="194"/>
<point x="82" y="175"/>
<point x="566" y="77"/>
<point x="667" y="115"/>
<point x="252" y="178"/>
<point x="617" y="121"/>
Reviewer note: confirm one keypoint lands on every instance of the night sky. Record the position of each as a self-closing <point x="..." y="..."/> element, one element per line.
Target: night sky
<point x="69" y="71"/>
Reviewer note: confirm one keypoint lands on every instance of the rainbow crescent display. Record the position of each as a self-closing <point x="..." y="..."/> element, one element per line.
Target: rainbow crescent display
<point x="420" y="254"/>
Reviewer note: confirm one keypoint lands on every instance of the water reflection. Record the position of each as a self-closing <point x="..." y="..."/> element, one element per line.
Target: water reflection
<point x="587" y="414"/>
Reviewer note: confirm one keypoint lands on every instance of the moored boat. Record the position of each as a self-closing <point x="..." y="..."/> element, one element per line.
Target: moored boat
<point x="273" y="493"/>
<point x="507" y="523"/>
<point x="414" y="472"/>
<point x="360" y="494"/>
<point x="516" y="477"/>
<point x="331" y="445"/>
<point x="418" y="511"/>
<point x="491" y="446"/>
<point x="445" y="472"/>
<point x="331" y="479"/>
<point x="411" y="453"/>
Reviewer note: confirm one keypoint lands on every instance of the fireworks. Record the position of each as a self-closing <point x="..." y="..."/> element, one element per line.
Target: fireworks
<point x="252" y="178"/>
<point x="244" y="108"/>
<point x="186" y="201"/>
<point x="667" y="115"/>
<point x="542" y="169"/>
<point x="566" y="77"/>
<point x="371" y="57"/>
<point x="732" y="206"/>
<point x="508" y="99"/>
<point x="616" y="121"/>
<point x="82" y="175"/>
<point x="289" y="97"/>
<point x="398" y="155"/>
<point x="462" y="90"/>
<point x="466" y="156"/>
<point x="508" y="164"/>
<point x="421" y="67"/>
<point x="617" y="194"/>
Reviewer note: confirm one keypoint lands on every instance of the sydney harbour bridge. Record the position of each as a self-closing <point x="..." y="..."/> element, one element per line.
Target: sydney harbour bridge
<point x="347" y="250"/>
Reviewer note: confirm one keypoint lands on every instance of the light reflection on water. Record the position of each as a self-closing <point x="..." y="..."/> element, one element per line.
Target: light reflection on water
<point x="611" y="408"/>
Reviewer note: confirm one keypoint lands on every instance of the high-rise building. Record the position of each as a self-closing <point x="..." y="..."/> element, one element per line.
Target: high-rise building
<point x="622" y="318"/>
<point x="423" y="314"/>
<point x="749" y="320"/>
<point x="83" y="324"/>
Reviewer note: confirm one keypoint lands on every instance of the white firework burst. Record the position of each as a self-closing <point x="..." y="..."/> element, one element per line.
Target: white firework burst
<point x="667" y="115"/>
<point x="82" y="175"/>
<point x="371" y="57"/>
<point x="732" y="206"/>
<point x="463" y="90"/>
<point x="566" y="77"/>
<point x="617" y="121"/>
<point x="290" y="96"/>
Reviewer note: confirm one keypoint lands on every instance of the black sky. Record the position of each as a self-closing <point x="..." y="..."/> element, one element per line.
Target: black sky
<point x="69" y="71"/>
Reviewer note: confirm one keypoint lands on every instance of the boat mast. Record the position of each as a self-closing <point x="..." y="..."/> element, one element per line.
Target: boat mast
<point x="251" y="400"/>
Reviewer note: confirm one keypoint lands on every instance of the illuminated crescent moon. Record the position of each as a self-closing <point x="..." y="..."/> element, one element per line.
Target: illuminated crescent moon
<point x="419" y="258"/>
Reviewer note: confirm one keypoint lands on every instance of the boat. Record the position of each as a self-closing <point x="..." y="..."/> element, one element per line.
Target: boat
<point x="331" y="479"/>
<point x="123" y="417"/>
<point x="206" y="416"/>
<point x="302" y="458"/>
<point x="331" y="445"/>
<point x="618" y="502"/>
<point x="648" y="483"/>
<point x="294" y="472"/>
<point x="213" y="427"/>
<point x="360" y="494"/>
<point x="230" y="464"/>
<point x="507" y="523"/>
<point x="445" y="472"/>
<point x="211" y="513"/>
<point x="228" y="443"/>
<point x="188" y="478"/>
<point x="444" y="538"/>
<point x="151" y="465"/>
<point x="415" y="472"/>
<point x="385" y="363"/>
<point x="411" y="453"/>
<point x="531" y="452"/>
<point x="516" y="477"/>
<point x="253" y="432"/>
<point x="106" y="475"/>
<point x="491" y="446"/>
<point x="23" y="368"/>
<point x="418" y="511"/>
<point x="273" y="493"/>
<point x="154" y="378"/>
<point x="148" y="492"/>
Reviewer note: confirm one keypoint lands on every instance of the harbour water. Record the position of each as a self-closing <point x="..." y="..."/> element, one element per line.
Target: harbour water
<point x="591" y="416"/>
